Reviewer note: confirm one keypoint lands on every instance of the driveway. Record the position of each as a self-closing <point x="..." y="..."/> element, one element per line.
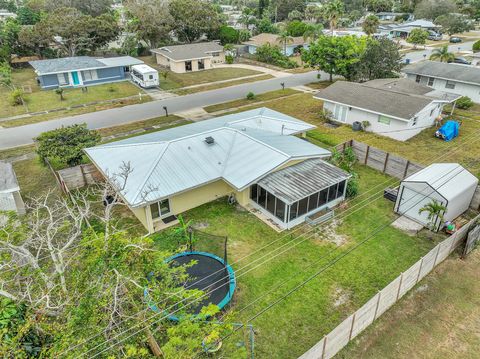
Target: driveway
<point x="23" y="135"/>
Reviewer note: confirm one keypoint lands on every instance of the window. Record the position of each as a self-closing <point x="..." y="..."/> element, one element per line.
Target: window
<point x="215" y="54"/>
<point x="323" y="197"/>
<point x="62" y="79"/>
<point x="253" y="192"/>
<point x="313" y="202"/>
<point x="332" y="193"/>
<point x="341" y="189"/>
<point x="150" y="77"/>
<point x="450" y="85"/>
<point x="302" y="206"/>
<point x="418" y="78"/>
<point x="431" y="80"/>
<point x="137" y="74"/>
<point x="293" y="211"/>
<point x="384" y="119"/>
<point x="280" y="210"/>
<point x="414" y="121"/>
<point x="90" y="75"/>
<point x="160" y="209"/>
<point x="270" y="203"/>
<point x="262" y="196"/>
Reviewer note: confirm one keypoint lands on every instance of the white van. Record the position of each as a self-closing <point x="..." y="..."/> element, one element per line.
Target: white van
<point x="145" y="76"/>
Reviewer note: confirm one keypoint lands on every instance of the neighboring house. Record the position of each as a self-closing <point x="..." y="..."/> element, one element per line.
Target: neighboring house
<point x="10" y="198"/>
<point x="252" y="156"/>
<point x="82" y="70"/>
<point x="190" y="57"/>
<point x="447" y="183"/>
<point x="404" y="29"/>
<point x="5" y="14"/>
<point x="397" y="108"/>
<point x="463" y="80"/>
<point x="272" y="39"/>
<point x="388" y="16"/>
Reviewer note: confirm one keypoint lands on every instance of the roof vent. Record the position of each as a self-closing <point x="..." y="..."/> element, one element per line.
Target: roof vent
<point x="209" y="140"/>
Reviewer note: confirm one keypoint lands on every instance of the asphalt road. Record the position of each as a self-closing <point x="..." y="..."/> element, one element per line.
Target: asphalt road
<point x="24" y="135"/>
<point x="425" y="54"/>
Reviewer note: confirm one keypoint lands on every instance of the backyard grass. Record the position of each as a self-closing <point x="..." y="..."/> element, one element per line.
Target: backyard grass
<point x="175" y="81"/>
<point x="34" y="178"/>
<point x="422" y="149"/>
<point x="267" y="96"/>
<point x="16" y="151"/>
<point x="296" y="323"/>
<point x="438" y="319"/>
<point x="41" y="100"/>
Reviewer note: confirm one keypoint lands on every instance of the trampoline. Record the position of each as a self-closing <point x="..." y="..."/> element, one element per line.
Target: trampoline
<point x="210" y="274"/>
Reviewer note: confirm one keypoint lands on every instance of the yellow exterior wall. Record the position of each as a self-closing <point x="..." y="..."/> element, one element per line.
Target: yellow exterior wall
<point x="140" y="213"/>
<point x="198" y="196"/>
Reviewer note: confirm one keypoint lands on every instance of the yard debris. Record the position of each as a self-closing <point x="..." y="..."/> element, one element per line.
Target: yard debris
<point x="201" y="225"/>
<point x="329" y="233"/>
<point x="340" y="297"/>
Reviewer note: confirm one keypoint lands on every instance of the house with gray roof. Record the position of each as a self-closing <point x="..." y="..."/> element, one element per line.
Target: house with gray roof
<point x="255" y="157"/>
<point x="397" y="108"/>
<point x="80" y="71"/>
<point x="190" y="57"/>
<point x="404" y="29"/>
<point x="459" y="79"/>
<point x="10" y="197"/>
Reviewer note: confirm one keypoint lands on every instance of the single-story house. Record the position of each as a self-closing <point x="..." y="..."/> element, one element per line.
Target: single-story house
<point x="82" y="70"/>
<point x="190" y="57"/>
<point x="460" y="79"/>
<point x="448" y="183"/>
<point x="273" y="39"/>
<point x="10" y="198"/>
<point x="404" y="29"/>
<point x="388" y="16"/>
<point x="397" y="108"/>
<point x="253" y="156"/>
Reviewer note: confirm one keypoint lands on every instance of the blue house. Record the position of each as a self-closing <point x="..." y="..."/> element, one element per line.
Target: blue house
<point x="82" y="70"/>
<point x="292" y="47"/>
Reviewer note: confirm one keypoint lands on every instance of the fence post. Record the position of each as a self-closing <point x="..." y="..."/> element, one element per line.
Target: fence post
<point x="324" y="347"/>
<point x="351" y="328"/>
<point x="386" y="162"/>
<point x="452" y="248"/>
<point x="406" y="169"/>
<point x="378" y="304"/>
<point x="399" y="286"/>
<point x="436" y="255"/>
<point x="419" y="271"/>
<point x="366" y="154"/>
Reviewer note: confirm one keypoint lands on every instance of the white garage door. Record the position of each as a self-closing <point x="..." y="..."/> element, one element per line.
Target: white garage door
<point x="410" y="204"/>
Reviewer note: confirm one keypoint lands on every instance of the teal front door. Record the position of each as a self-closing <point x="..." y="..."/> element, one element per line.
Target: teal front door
<point x="75" y="79"/>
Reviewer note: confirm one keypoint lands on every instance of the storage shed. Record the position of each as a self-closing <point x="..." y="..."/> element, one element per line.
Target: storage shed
<point x="448" y="183"/>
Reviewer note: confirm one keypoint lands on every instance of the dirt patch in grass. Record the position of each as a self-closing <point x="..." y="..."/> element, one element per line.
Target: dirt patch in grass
<point x="223" y="85"/>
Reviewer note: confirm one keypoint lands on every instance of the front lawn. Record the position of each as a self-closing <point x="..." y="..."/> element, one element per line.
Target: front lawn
<point x="299" y="321"/>
<point x="174" y="80"/>
<point x="422" y="149"/>
<point x="41" y="100"/>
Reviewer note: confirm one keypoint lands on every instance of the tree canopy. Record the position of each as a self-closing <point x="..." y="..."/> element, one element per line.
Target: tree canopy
<point x="453" y="24"/>
<point x="431" y="9"/>
<point x="417" y="37"/>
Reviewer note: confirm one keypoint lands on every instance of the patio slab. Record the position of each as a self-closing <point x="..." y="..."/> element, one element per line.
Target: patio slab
<point x="407" y="225"/>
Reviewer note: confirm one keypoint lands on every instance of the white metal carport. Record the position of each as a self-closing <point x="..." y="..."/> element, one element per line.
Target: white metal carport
<point x="448" y="183"/>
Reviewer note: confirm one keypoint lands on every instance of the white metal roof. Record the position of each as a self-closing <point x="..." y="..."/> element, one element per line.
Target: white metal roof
<point x="120" y="61"/>
<point x="247" y="146"/>
<point x="448" y="179"/>
<point x="8" y="179"/>
<point x="7" y="202"/>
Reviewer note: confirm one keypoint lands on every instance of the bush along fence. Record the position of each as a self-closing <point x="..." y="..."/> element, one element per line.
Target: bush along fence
<point x="339" y="337"/>
<point x="390" y="164"/>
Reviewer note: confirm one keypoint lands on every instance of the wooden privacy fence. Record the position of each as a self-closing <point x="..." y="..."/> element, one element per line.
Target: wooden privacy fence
<point x="338" y="338"/>
<point x="78" y="177"/>
<point x="390" y="164"/>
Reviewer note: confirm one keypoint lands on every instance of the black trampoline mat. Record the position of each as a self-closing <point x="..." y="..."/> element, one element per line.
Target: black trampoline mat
<point x="208" y="275"/>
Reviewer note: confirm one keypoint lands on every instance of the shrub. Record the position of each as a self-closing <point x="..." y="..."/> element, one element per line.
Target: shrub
<point x="229" y="59"/>
<point x="59" y="92"/>
<point x="353" y="186"/>
<point x="365" y="125"/>
<point x="273" y="55"/>
<point x="250" y="95"/>
<point x="66" y="144"/>
<point x="476" y="46"/>
<point x="16" y="97"/>
<point x="111" y="89"/>
<point x="464" y="103"/>
<point x="228" y="35"/>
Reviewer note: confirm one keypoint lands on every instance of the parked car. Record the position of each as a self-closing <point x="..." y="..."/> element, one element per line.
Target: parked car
<point x="455" y="40"/>
<point x="434" y="36"/>
<point x="461" y="60"/>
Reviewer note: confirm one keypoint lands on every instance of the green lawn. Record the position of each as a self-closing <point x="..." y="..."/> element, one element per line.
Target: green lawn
<point x="439" y="318"/>
<point x="267" y="96"/>
<point x="310" y="313"/>
<point x="174" y="80"/>
<point x="41" y="100"/>
<point x="422" y="148"/>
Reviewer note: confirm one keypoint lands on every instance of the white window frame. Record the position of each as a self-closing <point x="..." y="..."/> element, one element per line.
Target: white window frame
<point x="161" y="214"/>
<point x="90" y="75"/>
<point x="384" y="122"/>
<point x="431" y="81"/>
<point x="450" y="85"/>
<point x="62" y="79"/>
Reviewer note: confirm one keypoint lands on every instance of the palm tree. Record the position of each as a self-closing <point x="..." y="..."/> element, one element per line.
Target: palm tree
<point x="284" y="38"/>
<point x="434" y="210"/>
<point x="370" y="25"/>
<point x="333" y="11"/>
<point x="313" y="32"/>
<point x="442" y="54"/>
<point x="246" y="18"/>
